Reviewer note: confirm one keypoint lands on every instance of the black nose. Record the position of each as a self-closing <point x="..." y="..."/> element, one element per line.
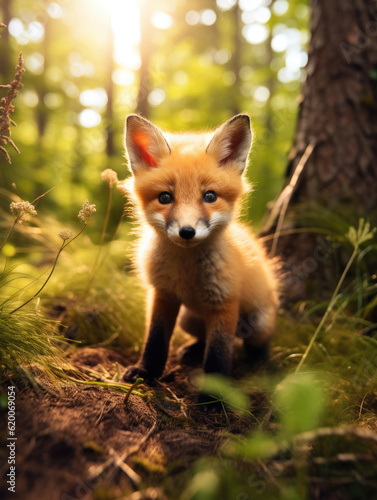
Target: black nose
<point x="187" y="232"/>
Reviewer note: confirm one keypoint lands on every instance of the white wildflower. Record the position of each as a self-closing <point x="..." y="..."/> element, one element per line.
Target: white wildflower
<point x="66" y="234"/>
<point x="21" y="209"/>
<point x="86" y="211"/>
<point x="110" y="176"/>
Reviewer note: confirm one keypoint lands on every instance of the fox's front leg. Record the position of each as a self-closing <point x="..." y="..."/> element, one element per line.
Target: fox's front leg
<point x="164" y="311"/>
<point x="221" y="327"/>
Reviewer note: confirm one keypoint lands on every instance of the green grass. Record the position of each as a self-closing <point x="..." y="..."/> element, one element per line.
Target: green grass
<point x="48" y="292"/>
<point x="315" y="431"/>
<point x="311" y="410"/>
<point x="27" y="339"/>
<point x="315" y="435"/>
<point x="108" y="307"/>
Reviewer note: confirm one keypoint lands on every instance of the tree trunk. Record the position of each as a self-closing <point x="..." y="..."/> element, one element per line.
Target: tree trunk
<point x="145" y="54"/>
<point x="6" y="71"/>
<point x="339" y="108"/>
<point x="42" y="111"/>
<point x="110" y="149"/>
<point x="338" y="115"/>
<point x="236" y="57"/>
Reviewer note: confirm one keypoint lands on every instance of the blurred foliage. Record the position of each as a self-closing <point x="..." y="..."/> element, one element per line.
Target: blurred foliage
<point x="206" y="61"/>
<point x="101" y="305"/>
<point x="314" y="437"/>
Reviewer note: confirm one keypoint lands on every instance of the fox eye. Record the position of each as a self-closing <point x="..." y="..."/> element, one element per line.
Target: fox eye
<point x="165" y="198"/>
<point x="210" y="197"/>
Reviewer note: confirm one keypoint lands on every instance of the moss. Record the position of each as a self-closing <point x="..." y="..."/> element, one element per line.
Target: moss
<point x="154" y="465"/>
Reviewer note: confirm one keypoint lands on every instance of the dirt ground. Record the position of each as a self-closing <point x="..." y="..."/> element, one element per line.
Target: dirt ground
<point x="86" y="443"/>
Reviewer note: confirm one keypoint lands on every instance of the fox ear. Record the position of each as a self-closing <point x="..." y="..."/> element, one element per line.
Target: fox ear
<point x="145" y="144"/>
<point x="231" y="142"/>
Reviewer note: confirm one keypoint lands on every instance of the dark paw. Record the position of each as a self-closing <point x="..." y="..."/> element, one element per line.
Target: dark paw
<point x="257" y="356"/>
<point x="209" y="404"/>
<point x="192" y="354"/>
<point x="134" y="372"/>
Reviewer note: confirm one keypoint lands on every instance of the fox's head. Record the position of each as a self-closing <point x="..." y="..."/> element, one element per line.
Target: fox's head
<point x="187" y="185"/>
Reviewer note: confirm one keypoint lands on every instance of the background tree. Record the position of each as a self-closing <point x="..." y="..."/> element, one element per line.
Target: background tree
<point x="5" y="53"/>
<point x="339" y="108"/>
<point x="146" y="47"/>
<point x="86" y="65"/>
<point x="338" y="117"/>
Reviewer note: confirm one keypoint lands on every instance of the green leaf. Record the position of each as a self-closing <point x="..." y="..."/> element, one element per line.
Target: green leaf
<point x="300" y="401"/>
<point x="3" y="401"/>
<point x="223" y="388"/>
<point x="203" y="486"/>
<point x="259" y="445"/>
<point x="361" y="235"/>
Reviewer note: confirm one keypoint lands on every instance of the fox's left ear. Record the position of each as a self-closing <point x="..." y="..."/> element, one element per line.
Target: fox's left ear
<point x="231" y="142"/>
<point x="145" y="143"/>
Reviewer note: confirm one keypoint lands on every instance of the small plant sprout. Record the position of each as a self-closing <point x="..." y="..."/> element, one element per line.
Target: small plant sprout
<point x="86" y="211"/>
<point x="356" y="237"/>
<point x="360" y="235"/>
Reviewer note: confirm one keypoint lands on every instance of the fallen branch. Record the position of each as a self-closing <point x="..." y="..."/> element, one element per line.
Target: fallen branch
<point x="281" y="205"/>
<point x="134" y="477"/>
<point x="115" y="459"/>
<point x="337" y="431"/>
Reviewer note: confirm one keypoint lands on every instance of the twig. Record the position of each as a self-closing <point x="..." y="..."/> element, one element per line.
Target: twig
<point x="330" y="307"/>
<point x="296" y="230"/>
<point x="135" y="478"/>
<point x="108" y="384"/>
<point x="8" y="233"/>
<point x="271" y="478"/>
<point x="179" y="401"/>
<point x="63" y="246"/>
<point x="362" y="404"/>
<point x="98" y="471"/>
<point x="107" y="341"/>
<point x="144" y="440"/>
<point x="281" y="205"/>
<point x="96" y="267"/>
<point x="34" y="202"/>
<point x="343" y="458"/>
<point x="102" y="412"/>
<point x="337" y="431"/>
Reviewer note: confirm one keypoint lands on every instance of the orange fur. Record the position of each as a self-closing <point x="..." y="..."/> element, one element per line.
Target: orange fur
<point x="220" y="276"/>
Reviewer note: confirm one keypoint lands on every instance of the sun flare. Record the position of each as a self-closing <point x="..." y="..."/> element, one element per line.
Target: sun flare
<point x="125" y="23"/>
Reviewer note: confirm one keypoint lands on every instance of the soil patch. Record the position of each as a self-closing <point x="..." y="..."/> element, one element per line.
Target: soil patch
<point x="69" y="445"/>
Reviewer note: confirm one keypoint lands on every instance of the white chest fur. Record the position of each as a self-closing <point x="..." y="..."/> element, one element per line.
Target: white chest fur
<point x="197" y="276"/>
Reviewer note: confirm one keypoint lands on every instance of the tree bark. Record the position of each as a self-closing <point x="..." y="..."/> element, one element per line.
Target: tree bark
<point x="338" y="115"/>
<point x="339" y="107"/>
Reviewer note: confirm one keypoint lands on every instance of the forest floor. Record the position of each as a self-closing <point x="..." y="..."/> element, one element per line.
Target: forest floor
<point x="86" y="443"/>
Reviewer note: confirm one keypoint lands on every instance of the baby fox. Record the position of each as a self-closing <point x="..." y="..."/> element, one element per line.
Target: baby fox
<point x="201" y="264"/>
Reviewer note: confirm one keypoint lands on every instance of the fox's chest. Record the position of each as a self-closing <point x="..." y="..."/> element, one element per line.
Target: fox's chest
<point x="196" y="278"/>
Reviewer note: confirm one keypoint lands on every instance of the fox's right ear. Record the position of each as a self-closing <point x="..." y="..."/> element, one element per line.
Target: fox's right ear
<point x="145" y="143"/>
<point x="231" y="143"/>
